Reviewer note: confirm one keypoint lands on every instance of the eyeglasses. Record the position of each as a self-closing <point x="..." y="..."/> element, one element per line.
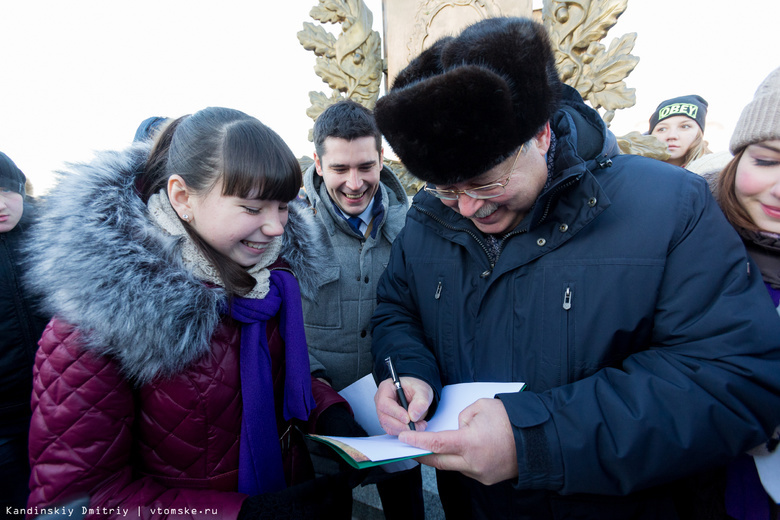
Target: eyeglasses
<point x="487" y="191"/>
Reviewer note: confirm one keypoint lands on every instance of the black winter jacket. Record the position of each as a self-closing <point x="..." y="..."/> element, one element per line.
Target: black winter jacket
<point x="626" y="302"/>
<point x="21" y="325"/>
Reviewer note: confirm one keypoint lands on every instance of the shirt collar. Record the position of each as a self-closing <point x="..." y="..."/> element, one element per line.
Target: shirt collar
<point x="365" y="216"/>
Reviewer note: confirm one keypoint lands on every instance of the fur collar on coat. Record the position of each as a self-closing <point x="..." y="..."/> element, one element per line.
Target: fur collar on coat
<point x="101" y="264"/>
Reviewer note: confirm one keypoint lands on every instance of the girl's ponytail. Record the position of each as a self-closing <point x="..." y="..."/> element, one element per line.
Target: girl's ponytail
<point x="154" y="177"/>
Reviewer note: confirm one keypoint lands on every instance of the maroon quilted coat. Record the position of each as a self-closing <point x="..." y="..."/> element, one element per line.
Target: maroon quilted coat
<point x="136" y="394"/>
<point x="171" y="444"/>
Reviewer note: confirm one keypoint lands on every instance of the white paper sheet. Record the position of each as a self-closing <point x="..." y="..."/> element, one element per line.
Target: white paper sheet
<point x="360" y="396"/>
<point x="454" y="399"/>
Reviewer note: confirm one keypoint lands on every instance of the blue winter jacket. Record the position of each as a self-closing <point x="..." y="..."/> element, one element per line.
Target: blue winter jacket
<point x="626" y="302"/>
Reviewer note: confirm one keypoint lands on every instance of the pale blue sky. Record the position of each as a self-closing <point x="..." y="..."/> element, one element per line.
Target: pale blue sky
<point x="79" y="76"/>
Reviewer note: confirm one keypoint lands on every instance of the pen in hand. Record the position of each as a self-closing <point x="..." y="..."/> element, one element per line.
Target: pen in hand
<point x="398" y="389"/>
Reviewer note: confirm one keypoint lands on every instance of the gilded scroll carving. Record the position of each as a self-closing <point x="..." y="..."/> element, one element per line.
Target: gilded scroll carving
<point x="576" y="28"/>
<point x="352" y="64"/>
<point x="432" y="21"/>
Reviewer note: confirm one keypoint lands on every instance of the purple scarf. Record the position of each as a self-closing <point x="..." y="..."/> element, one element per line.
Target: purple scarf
<point x="260" y="464"/>
<point x="745" y="495"/>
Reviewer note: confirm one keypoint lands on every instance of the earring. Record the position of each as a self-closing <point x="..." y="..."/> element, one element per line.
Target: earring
<point x="185" y="217"/>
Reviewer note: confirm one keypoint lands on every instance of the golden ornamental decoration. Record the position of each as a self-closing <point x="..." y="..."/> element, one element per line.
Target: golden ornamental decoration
<point x="427" y="10"/>
<point x="597" y="72"/>
<point x="351" y="64"/>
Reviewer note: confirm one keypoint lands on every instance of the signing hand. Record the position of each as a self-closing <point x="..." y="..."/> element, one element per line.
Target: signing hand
<point x="482" y="447"/>
<point x="392" y="416"/>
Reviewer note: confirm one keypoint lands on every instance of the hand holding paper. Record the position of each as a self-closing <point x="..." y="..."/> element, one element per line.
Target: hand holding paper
<point x="364" y="452"/>
<point x="482" y="447"/>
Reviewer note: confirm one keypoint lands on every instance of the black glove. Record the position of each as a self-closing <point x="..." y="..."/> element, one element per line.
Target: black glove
<point x="324" y="497"/>
<point x="335" y="420"/>
<point x="338" y="421"/>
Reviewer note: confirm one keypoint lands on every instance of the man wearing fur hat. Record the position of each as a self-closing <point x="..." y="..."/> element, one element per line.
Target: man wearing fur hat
<point x="610" y="284"/>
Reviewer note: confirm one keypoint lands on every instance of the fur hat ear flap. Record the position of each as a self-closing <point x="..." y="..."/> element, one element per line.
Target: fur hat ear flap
<point x="450" y="127"/>
<point x="468" y="102"/>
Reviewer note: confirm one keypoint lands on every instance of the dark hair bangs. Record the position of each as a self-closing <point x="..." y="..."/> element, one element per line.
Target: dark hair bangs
<point x="258" y="164"/>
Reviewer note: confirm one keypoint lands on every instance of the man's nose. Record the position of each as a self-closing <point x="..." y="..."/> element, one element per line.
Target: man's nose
<point x="354" y="181"/>
<point x="467" y="206"/>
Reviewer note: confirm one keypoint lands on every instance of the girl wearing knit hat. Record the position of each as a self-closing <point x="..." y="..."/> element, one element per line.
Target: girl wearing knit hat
<point x="748" y="191"/>
<point x="679" y="123"/>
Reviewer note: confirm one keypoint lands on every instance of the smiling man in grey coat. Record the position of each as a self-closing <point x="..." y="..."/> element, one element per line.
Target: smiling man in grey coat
<point x="360" y="206"/>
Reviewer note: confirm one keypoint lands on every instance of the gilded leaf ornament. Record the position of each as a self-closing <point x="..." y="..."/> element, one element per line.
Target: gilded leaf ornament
<point x="351" y="64"/>
<point x="576" y="28"/>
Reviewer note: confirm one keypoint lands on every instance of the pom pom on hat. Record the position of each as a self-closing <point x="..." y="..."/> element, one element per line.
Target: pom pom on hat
<point x="760" y="119"/>
<point x="467" y="103"/>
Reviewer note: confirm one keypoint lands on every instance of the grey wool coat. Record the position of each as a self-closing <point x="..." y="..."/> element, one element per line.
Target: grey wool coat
<point x="338" y="317"/>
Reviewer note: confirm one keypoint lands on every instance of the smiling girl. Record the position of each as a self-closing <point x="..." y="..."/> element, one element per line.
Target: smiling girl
<point x="679" y="123"/>
<point x="748" y="191"/>
<point x="175" y="372"/>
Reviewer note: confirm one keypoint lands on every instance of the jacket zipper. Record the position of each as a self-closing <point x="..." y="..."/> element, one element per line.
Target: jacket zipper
<point x="603" y="161"/>
<point x="565" y="374"/>
<point x="552" y="195"/>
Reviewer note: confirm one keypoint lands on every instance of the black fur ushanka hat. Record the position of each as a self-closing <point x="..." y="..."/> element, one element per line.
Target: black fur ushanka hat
<point x="467" y="103"/>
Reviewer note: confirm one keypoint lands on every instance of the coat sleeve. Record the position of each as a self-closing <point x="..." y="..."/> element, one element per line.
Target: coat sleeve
<point x="325" y="397"/>
<point x="397" y="330"/>
<point x="703" y="390"/>
<point x="81" y="440"/>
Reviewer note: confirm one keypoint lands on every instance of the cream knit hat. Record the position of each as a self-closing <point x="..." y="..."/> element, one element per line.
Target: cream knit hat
<point x="760" y="119"/>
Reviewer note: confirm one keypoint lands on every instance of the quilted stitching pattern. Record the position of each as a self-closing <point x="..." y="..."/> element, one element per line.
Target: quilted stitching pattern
<point x="87" y="436"/>
<point x="189" y="425"/>
<point x="61" y="450"/>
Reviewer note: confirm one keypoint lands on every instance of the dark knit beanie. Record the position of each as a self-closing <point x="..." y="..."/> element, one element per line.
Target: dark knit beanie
<point x="693" y="107"/>
<point x="467" y="103"/>
<point x="11" y="177"/>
